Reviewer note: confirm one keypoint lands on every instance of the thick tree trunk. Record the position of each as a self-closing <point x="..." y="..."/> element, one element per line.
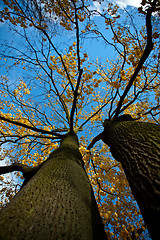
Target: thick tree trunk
<point x="137" y="146"/>
<point x="57" y="203"/>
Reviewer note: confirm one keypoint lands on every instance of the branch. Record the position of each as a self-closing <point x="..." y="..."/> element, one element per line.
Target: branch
<point x="94" y="113"/>
<point x="148" y="49"/>
<point x="64" y="106"/>
<point x="10" y="138"/>
<point x="77" y="36"/>
<point x="114" y="33"/>
<point x="80" y="70"/>
<point x="28" y="172"/>
<point x="29" y="127"/>
<point x="150" y="112"/>
<point x="65" y="12"/>
<point x="113" y="45"/>
<point x="75" y="100"/>
<point x="96" y="139"/>
<point x="15" y="167"/>
<point x="99" y="184"/>
<point x="62" y="61"/>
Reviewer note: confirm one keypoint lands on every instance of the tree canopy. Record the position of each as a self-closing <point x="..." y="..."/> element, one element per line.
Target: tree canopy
<point x="67" y="66"/>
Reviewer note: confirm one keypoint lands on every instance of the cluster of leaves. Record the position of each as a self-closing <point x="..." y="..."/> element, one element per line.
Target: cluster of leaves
<point x="44" y="92"/>
<point x="147" y="3"/>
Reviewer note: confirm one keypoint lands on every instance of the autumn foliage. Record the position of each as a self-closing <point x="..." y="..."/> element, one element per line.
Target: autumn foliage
<point x="56" y="77"/>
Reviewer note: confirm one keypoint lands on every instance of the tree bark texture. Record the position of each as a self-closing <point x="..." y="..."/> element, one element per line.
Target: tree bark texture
<point x="137" y="146"/>
<point x="57" y="203"/>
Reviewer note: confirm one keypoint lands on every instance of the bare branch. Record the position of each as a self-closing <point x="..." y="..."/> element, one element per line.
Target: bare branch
<point x="113" y="45"/>
<point x="150" y="112"/>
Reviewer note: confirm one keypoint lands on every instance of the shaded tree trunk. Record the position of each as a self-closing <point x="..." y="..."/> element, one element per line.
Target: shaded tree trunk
<point x="57" y="203"/>
<point x="137" y="146"/>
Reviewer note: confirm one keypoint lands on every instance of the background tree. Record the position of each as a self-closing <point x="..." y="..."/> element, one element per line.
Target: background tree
<point x="61" y="89"/>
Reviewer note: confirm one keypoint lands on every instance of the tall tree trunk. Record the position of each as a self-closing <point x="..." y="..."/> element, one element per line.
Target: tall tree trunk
<point x="57" y="203"/>
<point x="137" y="146"/>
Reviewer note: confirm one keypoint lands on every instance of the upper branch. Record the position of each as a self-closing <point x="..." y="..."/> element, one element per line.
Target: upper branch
<point x="79" y="70"/>
<point x="77" y="36"/>
<point x="148" y="49"/>
<point x="63" y="63"/>
<point x="75" y="100"/>
<point x="100" y="109"/>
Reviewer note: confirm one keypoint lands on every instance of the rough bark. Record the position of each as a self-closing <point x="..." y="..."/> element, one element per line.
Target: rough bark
<point x="137" y="146"/>
<point x="57" y="203"/>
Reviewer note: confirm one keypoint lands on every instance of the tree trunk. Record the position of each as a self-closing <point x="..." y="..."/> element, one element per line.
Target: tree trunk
<point x="137" y="146"/>
<point x="57" y="203"/>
